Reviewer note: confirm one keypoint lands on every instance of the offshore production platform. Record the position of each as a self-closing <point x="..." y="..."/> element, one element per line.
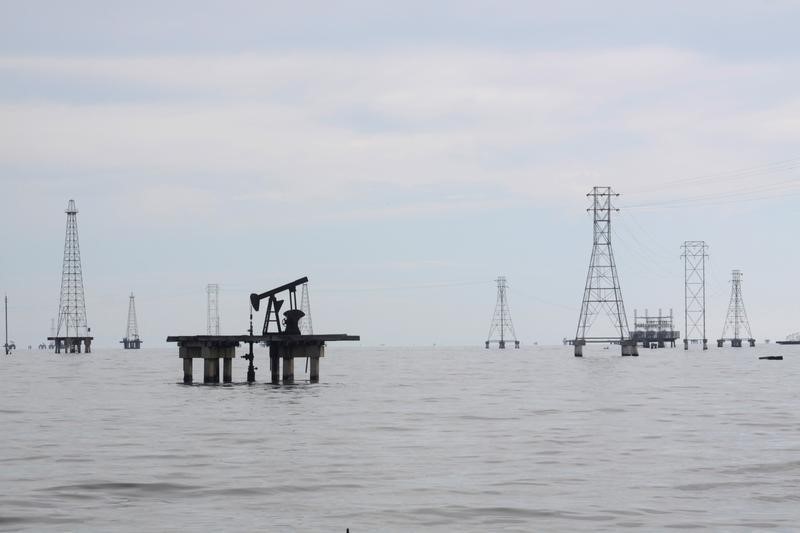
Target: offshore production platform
<point x="287" y="339"/>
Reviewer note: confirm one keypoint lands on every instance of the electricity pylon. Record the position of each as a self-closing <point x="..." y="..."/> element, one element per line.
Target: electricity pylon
<point x="502" y="328"/>
<point x="694" y="293"/>
<point x="602" y="291"/>
<point x="736" y="322"/>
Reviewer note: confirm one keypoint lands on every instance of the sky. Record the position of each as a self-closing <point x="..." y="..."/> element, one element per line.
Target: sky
<point x="401" y="155"/>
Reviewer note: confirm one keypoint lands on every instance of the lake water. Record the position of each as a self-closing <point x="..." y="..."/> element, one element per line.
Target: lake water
<point x="404" y="439"/>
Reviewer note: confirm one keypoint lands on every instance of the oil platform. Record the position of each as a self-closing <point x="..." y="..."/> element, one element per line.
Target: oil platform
<point x="654" y="331"/>
<point x="72" y="332"/>
<point x="131" y="341"/>
<point x="283" y="337"/>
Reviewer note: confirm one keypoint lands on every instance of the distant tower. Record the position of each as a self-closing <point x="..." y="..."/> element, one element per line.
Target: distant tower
<point x="213" y="308"/>
<point x="602" y="291"/>
<point x="736" y="321"/>
<point x="72" y="328"/>
<point x="694" y="292"/>
<point x="131" y="340"/>
<point x="502" y="328"/>
<point x="6" y="345"/>
<point x="306" y="327"/>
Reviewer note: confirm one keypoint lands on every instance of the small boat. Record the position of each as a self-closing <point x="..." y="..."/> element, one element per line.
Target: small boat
<point x="772" y="357"/>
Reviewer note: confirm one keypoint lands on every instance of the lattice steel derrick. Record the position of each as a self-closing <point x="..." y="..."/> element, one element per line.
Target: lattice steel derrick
<point x="602" y="292"/>
<point x="736" y="321"/>
<point x="501" y="329"/>
<point x="72" y="305"/>
<point x="306" y="326"/>
<point x="132" y="333"/>
<point x="694" y="266"/>
<point x="213" y="308"/>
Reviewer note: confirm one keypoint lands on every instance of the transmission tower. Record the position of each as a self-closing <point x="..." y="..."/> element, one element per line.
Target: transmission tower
<point x="602" y="292"/>
<point x="72" y="327"/>
<point x="502" y="328"/>
<point x="131" y="340"/>
<point x="736" y="321"/>
<point x="213" y="308"/>
<point x="694" y="293"/>
<point x="306" y="326"/>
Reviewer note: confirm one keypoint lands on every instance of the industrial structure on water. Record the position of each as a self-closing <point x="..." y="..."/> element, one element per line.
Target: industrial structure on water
<point x="131" y="341"/>
<point x="502" y="328"/>
<point x="72" y="332"/>
<point x="654" y="331"/>
<point x="602" y="293"/>
<point x="736" y="322"/>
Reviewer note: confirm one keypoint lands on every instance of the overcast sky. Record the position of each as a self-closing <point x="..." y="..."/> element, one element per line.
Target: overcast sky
<point x="402" y="155"/>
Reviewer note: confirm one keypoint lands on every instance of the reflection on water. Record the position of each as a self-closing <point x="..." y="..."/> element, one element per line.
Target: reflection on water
<point x="443" y="439"/>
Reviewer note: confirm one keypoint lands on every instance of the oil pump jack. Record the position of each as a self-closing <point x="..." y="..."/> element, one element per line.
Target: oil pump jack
<point x="290" y="321"/>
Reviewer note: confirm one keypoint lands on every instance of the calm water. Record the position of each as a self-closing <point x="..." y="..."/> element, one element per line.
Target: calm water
<point x="396" y="439"/>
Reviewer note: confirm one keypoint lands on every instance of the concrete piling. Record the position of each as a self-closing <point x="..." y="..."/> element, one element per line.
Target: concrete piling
<point x="578" y="345"/>
<point x="187" y="370"/>
<point x="274" y="364"/>
<point x="288" y="367"/>
<point x="227" y="370"/>
<point x="211" y="373"/>
<point x="212" y="348"/>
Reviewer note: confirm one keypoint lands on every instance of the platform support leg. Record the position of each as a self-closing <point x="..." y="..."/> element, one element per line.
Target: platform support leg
<point x="579" y="347"/>
<point x="313" y="375"/>
<point x="288" y="369"/>
<point x="227" y="370"/>
<point x="211" y="373"/>
<point x="88" y="346"/>
<point x="274" y="364"/>
<point x="188" y="362"/>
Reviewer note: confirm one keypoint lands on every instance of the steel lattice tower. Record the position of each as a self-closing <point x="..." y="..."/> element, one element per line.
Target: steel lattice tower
<point x="602" y="291"/>
<point x="502" y="328"/>
<point x="131" y="340"/>
<point x="213" y="308"/>
<point x="736" y="320"/>
<point x="72" y="306"/>
<point x="306" y="326"/>
<point x="694" y="292"/>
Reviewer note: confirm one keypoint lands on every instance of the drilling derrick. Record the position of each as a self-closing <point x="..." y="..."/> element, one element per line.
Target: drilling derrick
<point x="72" y="329"/>
<point x="131" y="341"/>
<point x="602" y="292"/>
<point x="736" y="322"/>
<point x="502" y="328"/>
<point x="306" y="327"/>
<point x="694" y="293"/>
<point x="213" y="308"/>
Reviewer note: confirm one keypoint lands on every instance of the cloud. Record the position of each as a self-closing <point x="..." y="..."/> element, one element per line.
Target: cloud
<point x="538" y="125"/>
